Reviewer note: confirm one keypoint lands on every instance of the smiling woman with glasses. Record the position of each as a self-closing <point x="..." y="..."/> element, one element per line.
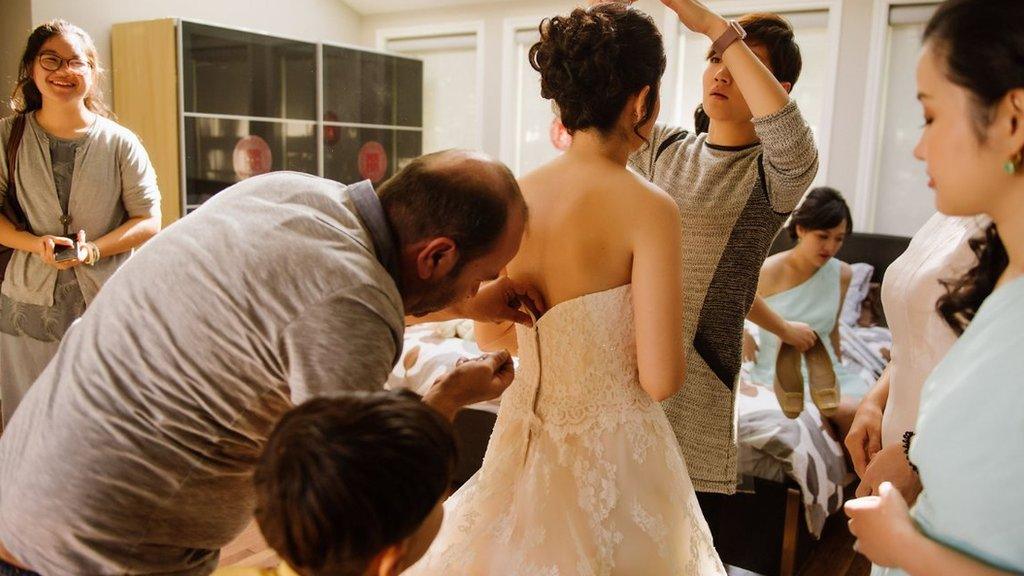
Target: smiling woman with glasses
<point x="78" y="195"/>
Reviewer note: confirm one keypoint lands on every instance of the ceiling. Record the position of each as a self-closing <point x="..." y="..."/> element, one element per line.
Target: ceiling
<point x="385" y="6"/>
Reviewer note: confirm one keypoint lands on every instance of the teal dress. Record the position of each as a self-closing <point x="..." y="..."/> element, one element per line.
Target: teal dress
<point x="969" y="446"/>
<point x="815" y="303"/>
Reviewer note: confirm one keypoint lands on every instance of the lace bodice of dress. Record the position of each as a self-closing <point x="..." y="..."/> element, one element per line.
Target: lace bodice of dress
<point x="578" y="364"/>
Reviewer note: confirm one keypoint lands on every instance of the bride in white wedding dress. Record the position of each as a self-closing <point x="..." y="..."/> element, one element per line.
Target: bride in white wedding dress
<point x="583" y="474"/>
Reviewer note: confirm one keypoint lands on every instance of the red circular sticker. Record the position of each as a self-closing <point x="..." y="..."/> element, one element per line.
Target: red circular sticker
<point x="251" y="157"/>
<point x="373" y="161"/>
<point x="560" y="137"/>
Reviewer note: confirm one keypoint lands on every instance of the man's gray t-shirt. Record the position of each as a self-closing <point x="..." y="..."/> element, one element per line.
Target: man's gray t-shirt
<point x="134" y="450"/>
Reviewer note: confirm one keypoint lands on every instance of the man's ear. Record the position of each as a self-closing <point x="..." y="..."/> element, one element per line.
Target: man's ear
<point x="788" y="86"/>
<point x="436" y="258"/>
<point x="389" y="561"/>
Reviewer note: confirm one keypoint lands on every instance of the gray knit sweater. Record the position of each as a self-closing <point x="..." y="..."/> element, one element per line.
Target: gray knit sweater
<point x="733" y="202"/>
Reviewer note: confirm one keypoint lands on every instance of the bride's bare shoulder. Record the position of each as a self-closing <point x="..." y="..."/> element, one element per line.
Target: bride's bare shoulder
<point x="646" y="194"/>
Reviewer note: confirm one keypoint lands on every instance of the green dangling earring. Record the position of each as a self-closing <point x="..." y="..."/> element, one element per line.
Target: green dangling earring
<point x="1012" y="165"/>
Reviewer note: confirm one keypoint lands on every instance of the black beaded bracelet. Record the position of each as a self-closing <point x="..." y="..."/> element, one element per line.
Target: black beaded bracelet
<point x="906" y="448"/>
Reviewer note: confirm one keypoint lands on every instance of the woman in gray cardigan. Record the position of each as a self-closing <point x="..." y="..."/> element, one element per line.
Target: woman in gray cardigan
<point x="82" y="182"/>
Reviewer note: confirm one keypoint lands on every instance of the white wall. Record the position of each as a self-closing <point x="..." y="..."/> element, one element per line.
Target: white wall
<point x="493" y="18"/>
<point x="15" y="26"/>
<point x="851" y="96"/>
<point x="313" y="20"/>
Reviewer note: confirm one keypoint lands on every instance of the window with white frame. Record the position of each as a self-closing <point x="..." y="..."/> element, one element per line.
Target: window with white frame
<point x="451" y="104"/>
<point x="811" y="29"/>
<point x="530" y="118"/>
<point x="902" y="202"/>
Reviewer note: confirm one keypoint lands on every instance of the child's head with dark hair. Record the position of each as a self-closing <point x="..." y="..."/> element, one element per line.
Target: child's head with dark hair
<point x="596" y="62"/>
<point x="820" y="224"/>
<point x="355" y="482"/>
<point x="771" y="39"/>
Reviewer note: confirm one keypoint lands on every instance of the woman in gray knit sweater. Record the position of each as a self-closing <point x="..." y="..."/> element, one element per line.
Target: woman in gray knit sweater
<point x="77" y="176"/>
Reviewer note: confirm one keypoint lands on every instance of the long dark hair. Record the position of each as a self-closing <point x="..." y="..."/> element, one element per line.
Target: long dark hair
<point x="593" y="60"/>
<point x="982" y="46"/>
<point x="27" y="97"/>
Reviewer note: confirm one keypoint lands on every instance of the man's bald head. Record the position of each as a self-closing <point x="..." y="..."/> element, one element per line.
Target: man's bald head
<point x="457" y="194"/>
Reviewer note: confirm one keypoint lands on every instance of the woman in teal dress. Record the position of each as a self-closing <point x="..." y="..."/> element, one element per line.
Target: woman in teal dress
<point x="807" y="285"/>
<point x="969" y="441"/>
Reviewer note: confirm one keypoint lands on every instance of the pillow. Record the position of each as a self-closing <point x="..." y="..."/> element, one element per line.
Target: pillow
<point x="855" y="294"/>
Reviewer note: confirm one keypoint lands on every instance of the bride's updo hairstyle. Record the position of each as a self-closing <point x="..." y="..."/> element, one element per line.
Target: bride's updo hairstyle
<point x="593" y="60"/>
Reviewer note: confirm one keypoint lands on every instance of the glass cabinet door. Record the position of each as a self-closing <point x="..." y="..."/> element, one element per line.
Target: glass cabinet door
<point x="354" y="154"/>
<point x="220" y="152"/>
<point x="250" y="107"/>
<point x="246" y="74"/>
<point x="370" y="88"/>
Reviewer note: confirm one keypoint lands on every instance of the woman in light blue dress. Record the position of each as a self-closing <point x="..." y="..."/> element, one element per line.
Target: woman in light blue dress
<point x="807" y="285"/>
<point x="969" y="441"/>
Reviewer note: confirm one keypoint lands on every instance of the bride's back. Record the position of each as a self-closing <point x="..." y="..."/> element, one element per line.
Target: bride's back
<point x="593" y="224"/>
<point x="583" y="216"/>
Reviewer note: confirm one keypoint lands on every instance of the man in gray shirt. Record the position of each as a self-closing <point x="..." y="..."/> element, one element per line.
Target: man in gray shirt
<point x="133" y="452"/>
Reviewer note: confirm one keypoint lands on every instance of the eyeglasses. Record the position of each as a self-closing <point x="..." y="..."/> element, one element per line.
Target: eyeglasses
<point x="52" y="63"/>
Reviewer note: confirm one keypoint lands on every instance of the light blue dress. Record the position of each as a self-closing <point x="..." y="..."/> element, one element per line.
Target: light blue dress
<point x="969" y="446"/>
<point x="815" y="303"/>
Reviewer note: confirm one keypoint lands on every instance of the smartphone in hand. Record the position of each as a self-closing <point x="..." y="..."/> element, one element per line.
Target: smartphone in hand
<point x="66" y="253"/>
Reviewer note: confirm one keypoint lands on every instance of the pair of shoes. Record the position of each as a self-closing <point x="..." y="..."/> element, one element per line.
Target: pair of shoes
<point x="789" y="380"/>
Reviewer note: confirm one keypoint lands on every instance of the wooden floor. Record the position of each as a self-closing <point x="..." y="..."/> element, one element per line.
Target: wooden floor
<point x="834" y="556"/>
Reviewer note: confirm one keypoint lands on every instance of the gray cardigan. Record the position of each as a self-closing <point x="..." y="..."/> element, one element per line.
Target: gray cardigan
<point x="113" y="181"/>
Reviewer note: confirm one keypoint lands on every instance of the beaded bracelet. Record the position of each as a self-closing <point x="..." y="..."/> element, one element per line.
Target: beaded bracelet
<point x="906" y="448"/>
<point x="93" y="254"/>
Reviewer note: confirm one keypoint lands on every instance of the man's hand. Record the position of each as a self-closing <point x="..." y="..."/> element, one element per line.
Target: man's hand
<point x="865" y="437"/>
<point x="799" y="336"/>
<point x="882" y="526"/>
<point x="697" y="17"/>
<point x="471" y="381"/>
<point x="890" y="465"/>
<point x="504" y="301"/>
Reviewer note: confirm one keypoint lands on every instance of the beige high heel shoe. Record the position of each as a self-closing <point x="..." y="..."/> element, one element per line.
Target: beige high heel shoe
<point x="823" y="383"/>
<point x="789" y="381"/>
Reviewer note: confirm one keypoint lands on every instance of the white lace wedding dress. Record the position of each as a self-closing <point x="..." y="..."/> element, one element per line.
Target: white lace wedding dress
<point x="583" y="475"/>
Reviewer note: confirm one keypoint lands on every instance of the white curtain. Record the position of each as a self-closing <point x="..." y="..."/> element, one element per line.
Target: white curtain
<point x="533" y="115"/>
<point x="450" y="100"/>
<point x="903" y="201"/>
